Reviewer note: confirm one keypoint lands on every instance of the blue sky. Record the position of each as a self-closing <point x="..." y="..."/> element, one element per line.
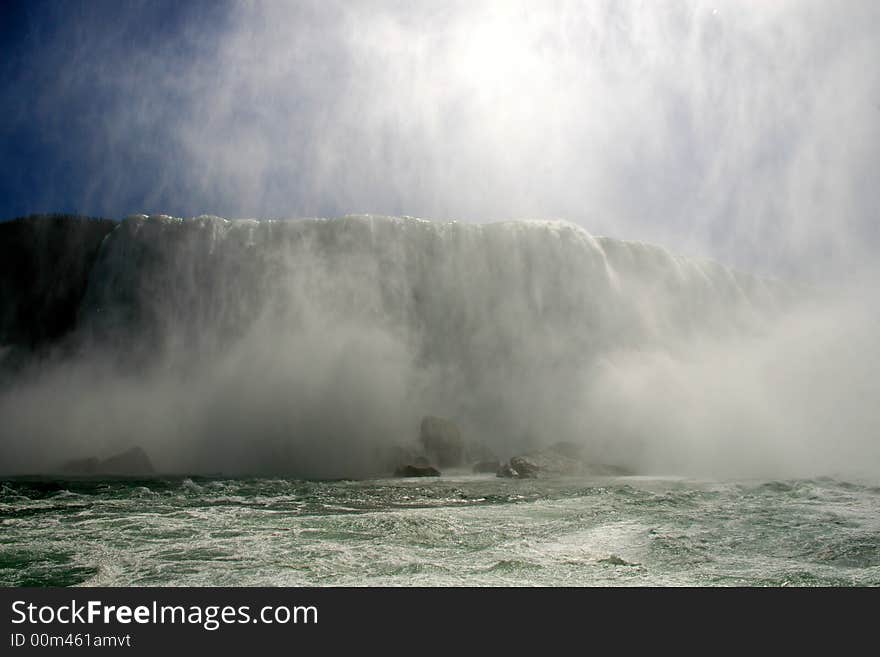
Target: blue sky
<point x="746" y="131"/>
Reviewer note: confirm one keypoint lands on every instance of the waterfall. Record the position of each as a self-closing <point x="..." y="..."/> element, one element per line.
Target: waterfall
<point x="309" y="346"/>
<point x="457" y="291"/>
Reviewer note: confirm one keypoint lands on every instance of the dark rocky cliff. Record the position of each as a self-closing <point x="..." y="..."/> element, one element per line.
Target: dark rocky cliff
<point x="45" y="261"/>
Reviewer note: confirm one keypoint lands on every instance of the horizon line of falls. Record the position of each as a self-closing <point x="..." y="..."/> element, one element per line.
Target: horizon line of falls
<point x="306" y="347"/>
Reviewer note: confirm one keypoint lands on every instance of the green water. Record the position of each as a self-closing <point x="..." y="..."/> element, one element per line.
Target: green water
<point x="454" y="530"/>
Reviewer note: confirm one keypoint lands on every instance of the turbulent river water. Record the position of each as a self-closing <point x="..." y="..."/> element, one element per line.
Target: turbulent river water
<point x="465" y="530"/>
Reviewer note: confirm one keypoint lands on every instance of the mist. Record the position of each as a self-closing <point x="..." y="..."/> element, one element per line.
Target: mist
<point x="744" y="132"/>
<point x="312" y="347"/>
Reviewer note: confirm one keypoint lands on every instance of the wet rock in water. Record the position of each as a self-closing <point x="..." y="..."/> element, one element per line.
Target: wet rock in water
<point x="487" y="466"/>
<point x="525" y="468"/>
<point x="507" y="472"/>
<point x="561" y="459"/>
<point x="614" y="560"/>
<point x="547" y="461"/>
<point x="442" y="441"/>
<point x="413" y="470"/>
<point x="130" y="462"/>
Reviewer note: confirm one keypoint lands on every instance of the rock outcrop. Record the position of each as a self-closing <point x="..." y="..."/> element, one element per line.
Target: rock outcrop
<point x="524" y="467"/>
<point x="507" y="471"/>
<point x="413" y="470"/>
<point x="561" y="459"/>
<point x="45" y="262"/>
<point x="132" y="462"/>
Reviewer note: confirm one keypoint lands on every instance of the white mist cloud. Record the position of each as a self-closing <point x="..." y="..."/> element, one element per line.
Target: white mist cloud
<point x="310" y="348"/>
<point x="747" y="131"/>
